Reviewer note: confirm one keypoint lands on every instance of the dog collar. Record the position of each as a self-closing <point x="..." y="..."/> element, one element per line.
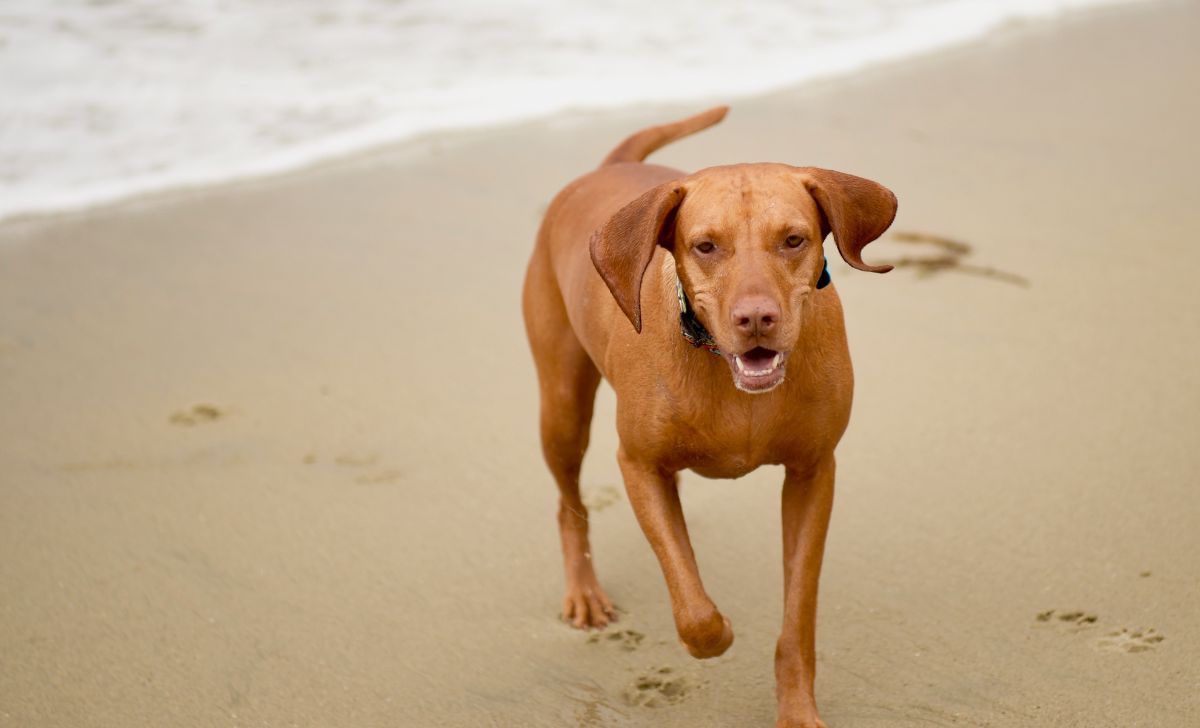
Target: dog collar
<point x="695" y="333"/>
<point x="690" y="326"/>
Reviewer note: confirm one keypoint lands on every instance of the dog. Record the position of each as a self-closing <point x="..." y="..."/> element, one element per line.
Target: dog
<point x="703" y="299"/>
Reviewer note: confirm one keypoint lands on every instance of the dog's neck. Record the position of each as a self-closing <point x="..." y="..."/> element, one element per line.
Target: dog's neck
<point x="695" y="333"/>
<point x="690" y="326"/>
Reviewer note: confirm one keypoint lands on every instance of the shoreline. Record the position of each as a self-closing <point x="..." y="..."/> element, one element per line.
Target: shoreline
<point x="424" y="142"/>
<point x="268" y="453"/>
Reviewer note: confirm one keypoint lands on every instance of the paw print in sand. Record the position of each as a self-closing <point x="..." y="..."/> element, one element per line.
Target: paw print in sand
<point x="657" y="687"/>
<point x="1074" y="620"/>
<point x="196" y="415"/>
<point x="627" y="639"/>
<point x="1131" y="640"/>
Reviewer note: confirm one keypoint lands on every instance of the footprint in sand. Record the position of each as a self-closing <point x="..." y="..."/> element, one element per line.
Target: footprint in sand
<point x="1122" y="640"/>
<point x="360" y="460"/>
<point x="1073" y="620"/>
<point x="627" y="639"/>
<point x="196" y="415"/>
<point x="600" y="497"/>
<point x="350" y="460"/>
<point x="657" y="687"/>
<point x="380" y="478"/>
<point x="1130" y="640"/>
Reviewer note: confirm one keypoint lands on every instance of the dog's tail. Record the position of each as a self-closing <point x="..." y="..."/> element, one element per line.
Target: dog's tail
<point x="641" y="144"/>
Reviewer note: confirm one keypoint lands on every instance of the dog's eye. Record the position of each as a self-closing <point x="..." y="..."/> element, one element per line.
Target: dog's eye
<point x="705" y="247"/>
<point x="794" y="241"/>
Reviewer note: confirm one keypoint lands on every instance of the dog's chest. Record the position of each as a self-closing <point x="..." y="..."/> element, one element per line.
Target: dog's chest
<point x="729" y="442"/>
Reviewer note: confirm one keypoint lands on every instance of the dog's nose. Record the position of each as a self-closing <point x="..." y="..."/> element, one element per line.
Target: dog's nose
<point x="755" y="315"/>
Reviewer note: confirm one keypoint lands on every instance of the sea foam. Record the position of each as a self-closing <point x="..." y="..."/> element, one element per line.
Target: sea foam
<point x="105" y="99"/>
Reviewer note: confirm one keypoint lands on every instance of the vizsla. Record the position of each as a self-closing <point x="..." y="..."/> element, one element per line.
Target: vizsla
<point x="703" y="299"/>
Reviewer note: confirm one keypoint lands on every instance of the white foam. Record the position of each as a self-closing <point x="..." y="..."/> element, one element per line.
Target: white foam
<point x="104" y="99"/>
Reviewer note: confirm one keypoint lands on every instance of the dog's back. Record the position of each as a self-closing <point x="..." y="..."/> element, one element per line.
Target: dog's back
<point x="560" y="271"/>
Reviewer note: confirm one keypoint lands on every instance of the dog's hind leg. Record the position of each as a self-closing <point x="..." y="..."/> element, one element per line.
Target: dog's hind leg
<point x="567" y="381"/>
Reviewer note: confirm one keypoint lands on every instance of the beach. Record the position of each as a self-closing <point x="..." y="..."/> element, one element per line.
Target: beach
<point x="269" y="457"/>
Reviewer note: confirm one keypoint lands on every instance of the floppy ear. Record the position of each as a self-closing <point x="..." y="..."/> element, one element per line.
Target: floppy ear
<point x="623" y="247"/>
<point x="857" y="210"/>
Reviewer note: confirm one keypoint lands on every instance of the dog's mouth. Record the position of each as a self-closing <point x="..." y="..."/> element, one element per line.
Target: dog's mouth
<point x="758" y="370"/>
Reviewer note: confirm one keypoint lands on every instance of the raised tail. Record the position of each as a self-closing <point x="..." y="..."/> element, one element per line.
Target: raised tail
<point x="641" y="144"/>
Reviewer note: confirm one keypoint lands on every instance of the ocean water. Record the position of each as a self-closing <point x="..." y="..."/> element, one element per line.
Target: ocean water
<point x="104" y="99"/>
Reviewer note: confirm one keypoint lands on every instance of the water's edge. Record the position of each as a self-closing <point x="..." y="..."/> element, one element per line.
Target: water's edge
<point x="17" y="208"/>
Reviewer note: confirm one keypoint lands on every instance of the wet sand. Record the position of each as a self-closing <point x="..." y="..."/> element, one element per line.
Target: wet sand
<point x="268" y="451"/>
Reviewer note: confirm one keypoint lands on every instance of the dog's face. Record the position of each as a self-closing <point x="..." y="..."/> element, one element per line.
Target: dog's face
<point x="747" y="241"/>
<point x="748" y="249"/>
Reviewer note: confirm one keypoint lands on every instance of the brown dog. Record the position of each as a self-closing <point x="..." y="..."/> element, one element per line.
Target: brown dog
<point x="632" y="243"/>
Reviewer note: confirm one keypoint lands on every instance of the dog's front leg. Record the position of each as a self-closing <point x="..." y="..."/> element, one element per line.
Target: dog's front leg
<point x="807" y="503"/>
<point x="654" y="495"/>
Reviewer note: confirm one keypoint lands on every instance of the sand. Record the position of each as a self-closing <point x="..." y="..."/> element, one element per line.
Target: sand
<point x="268" y="451"/>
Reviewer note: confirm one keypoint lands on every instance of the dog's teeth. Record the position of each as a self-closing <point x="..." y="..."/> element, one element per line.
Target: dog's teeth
<point x="738" y="360"/>
<point x="776" y="360"/>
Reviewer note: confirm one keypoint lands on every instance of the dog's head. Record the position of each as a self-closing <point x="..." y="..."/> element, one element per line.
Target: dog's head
<point x="747" y="241"/>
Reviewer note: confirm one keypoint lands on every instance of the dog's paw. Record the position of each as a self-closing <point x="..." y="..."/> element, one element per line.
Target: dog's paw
<point x="586" y="606"/>
<point x="703" y="647"/>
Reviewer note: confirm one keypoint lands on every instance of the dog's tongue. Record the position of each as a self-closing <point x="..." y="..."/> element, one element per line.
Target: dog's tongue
<point x="759" y="358"/>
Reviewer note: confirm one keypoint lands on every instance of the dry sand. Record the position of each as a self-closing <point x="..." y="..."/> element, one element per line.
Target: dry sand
<point x="268" y="451"/>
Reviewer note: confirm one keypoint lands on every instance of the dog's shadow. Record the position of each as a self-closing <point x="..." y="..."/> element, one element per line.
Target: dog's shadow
<point x="947" y="255"/>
